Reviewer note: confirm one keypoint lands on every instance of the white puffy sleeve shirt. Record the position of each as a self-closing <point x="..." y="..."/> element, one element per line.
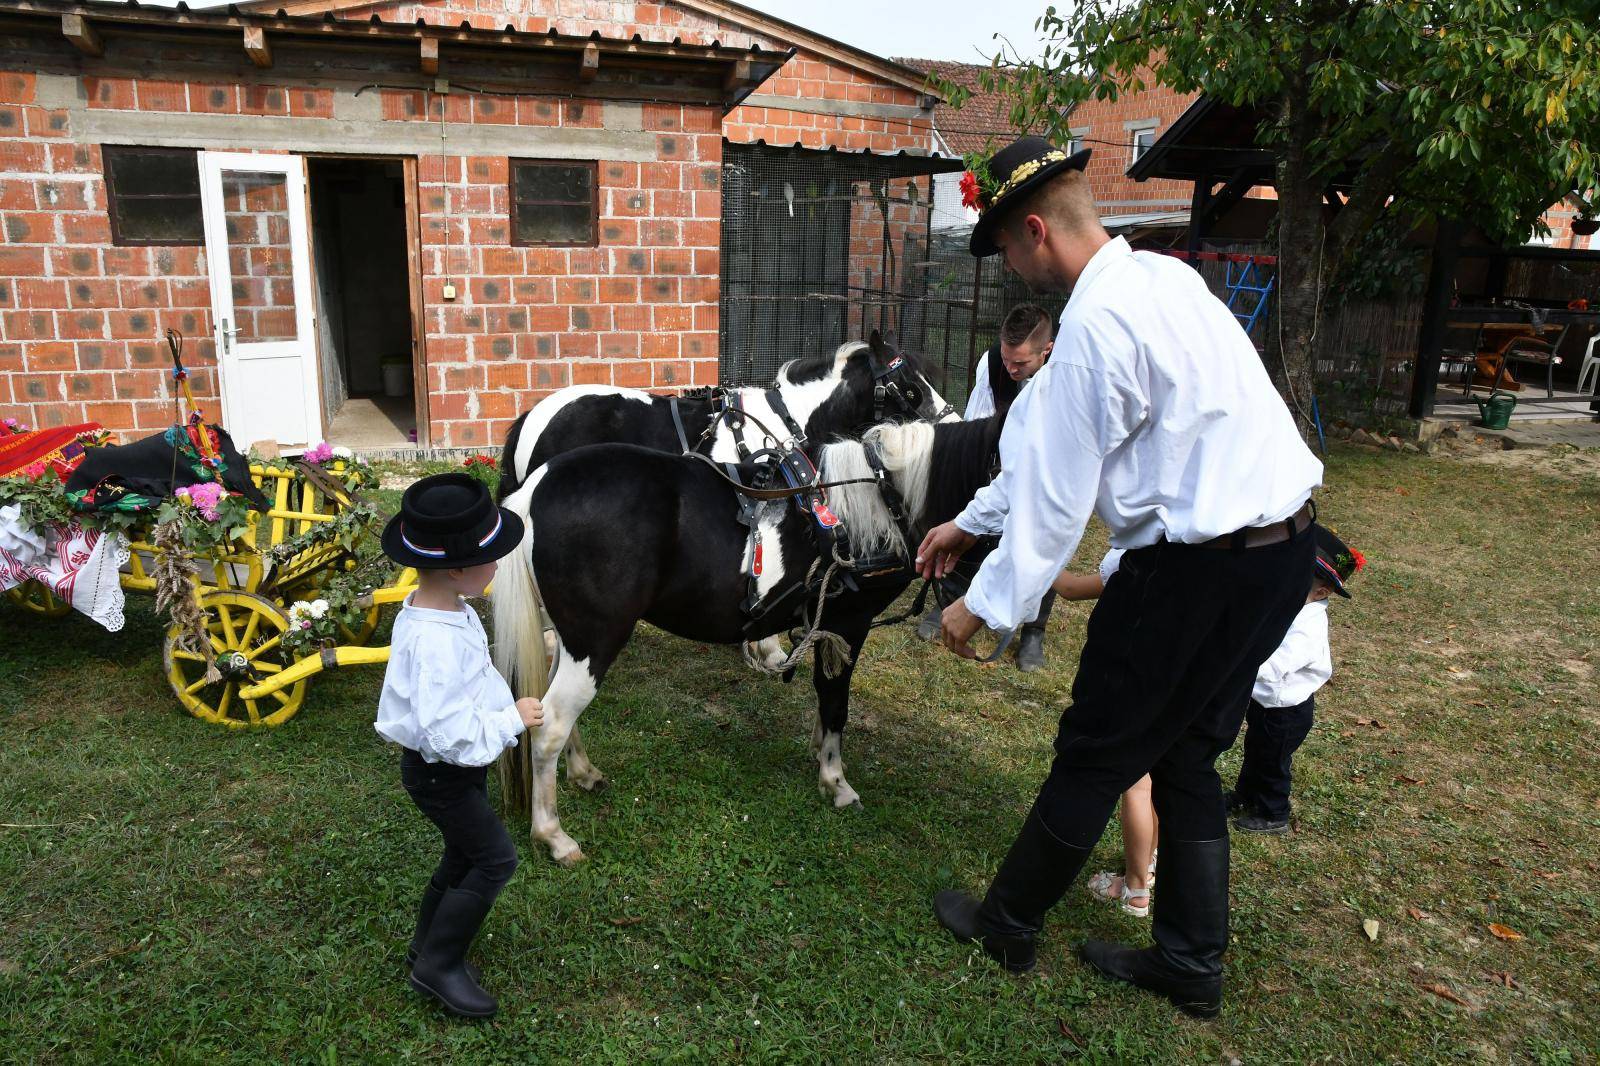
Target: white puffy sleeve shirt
<point x="442" y="697"/>
<point x="980" y="402"/>
<point x="1154" y="412"/>
<point x="1301" y="665"/>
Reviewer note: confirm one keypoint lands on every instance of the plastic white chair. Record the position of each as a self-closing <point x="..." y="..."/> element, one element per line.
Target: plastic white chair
<point x="1591" y="367"/>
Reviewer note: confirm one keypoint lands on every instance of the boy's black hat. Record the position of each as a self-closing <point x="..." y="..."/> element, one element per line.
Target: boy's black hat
<point x="1018" y="169"/>
<point x="1336" y="560"/>
<point x="449" y="521"/>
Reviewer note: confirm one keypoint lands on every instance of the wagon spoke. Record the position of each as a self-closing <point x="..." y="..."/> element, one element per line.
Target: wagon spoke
<point x="196" y="687"/>
<point x="266" y="646"/>
<point x="188" y="656"/>
<point x="253" y="711"/>
<point x="227" y="625"/>
<point x="250" y="629"/>
<point x="222" y="704"/>
<point x="280" y="696"/>
<point x="267" y="668"/>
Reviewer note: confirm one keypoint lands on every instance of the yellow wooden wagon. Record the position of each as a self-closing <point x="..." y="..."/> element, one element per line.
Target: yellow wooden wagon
<point x="244" y="592"/>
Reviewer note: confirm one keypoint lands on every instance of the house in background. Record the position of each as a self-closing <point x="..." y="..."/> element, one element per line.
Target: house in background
<point x="468" y="204"/>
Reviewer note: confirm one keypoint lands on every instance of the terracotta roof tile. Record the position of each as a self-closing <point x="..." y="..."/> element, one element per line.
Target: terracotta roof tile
<point x="986" y="116"/>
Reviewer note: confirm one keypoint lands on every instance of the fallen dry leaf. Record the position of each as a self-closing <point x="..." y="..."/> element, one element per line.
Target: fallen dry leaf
<point x="1548" y="875"/>
<point x="1401" y="491"/>
<point x="1505" y="932"/>
<point x="623" y="923"/>
<point x="1066" y="1030"/>
<point x="1416" y="913"/>
<point x="1443" y="993"/>
<point x="1502" y="977"/>
<point x="1370" y="927"/>
<point x="1406" y="779"/>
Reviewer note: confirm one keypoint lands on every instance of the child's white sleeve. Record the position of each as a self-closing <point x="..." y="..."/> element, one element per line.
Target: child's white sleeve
<point x="453" y="727"/>
<point x="1110" y="564"/>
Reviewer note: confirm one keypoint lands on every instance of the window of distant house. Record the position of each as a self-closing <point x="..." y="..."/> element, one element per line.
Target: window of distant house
<point x="553" y="203"/>
<point x="153" y="195"/>
<point x="1142" y="140"/>
<point x="1075" y="142"/>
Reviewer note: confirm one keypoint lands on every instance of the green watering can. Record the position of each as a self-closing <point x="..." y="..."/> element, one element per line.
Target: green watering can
<point x="1496" y="410"/>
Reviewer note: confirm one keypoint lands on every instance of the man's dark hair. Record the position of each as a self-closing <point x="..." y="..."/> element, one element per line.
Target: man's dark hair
<point x="1021" y="322"/>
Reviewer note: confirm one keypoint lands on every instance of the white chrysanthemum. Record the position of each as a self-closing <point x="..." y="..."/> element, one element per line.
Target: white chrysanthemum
<point x="319" y="608"/>
<point x="341" y="452"/>
<point x="299" y="610"/>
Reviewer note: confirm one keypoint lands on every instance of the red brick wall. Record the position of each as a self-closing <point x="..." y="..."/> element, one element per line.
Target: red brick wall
<point x="81" y="321"/>
<point x="1102" y="122"/>
<point x="638" y="310"/>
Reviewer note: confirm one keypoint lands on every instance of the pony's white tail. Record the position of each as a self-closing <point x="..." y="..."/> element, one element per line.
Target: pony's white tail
<point x="519" y="646"/>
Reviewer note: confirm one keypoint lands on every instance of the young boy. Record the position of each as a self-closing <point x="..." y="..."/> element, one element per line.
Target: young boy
<point x="452" y="714"/>
<point x="1283" y="700"/>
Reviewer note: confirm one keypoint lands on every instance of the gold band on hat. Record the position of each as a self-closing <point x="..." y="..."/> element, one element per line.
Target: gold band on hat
<point x="1025" y="171"/>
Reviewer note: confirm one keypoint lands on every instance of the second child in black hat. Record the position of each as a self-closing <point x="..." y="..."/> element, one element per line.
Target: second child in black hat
<point x="1283" y="701"/>
<point x="452" y="714"/>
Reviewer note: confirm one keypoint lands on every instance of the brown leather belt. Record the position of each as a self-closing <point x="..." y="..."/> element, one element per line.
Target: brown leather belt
<point x="1261" y="536"/>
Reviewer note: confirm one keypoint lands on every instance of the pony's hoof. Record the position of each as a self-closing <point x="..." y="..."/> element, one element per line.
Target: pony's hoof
<point x="571" y="858"/>
<point x="846" y="797"/>
<point x="597" y="783"/>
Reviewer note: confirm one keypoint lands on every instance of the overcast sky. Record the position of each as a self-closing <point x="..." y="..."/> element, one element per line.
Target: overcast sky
<point x="930" y="29"/>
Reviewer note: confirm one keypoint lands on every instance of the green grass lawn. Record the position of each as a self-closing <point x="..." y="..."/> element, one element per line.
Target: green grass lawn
<point x="176" y="891"/>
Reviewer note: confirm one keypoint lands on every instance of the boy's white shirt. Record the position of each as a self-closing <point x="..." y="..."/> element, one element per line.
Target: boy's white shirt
<point x="980" y="403"/>
<point x="442" y="697"/>
<point x="1302" y="664"/>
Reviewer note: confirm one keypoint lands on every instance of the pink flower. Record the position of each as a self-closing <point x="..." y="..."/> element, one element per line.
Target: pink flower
<point x="205" y="496"/>
<point x="320" y="454"/>
<point x="34" y="470"/>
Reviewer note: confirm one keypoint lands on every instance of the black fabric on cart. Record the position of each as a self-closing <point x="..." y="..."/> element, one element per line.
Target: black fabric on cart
<point x="146" y="467"/>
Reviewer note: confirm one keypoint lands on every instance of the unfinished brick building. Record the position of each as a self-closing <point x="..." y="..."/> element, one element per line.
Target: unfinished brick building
<point x="468" y="203"/>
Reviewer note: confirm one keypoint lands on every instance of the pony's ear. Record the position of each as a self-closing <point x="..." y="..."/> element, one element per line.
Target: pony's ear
<point x="875" y="342"/>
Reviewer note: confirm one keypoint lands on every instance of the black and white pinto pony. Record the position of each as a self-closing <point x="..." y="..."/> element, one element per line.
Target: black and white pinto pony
<point x="827" y="395"/>
<point x="618" y="534"/>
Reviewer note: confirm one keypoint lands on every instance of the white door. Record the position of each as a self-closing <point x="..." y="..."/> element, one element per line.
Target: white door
<point x="261" y="302"/>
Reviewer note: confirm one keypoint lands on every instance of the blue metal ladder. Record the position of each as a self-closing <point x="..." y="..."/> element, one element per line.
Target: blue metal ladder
<point x="1247" y="280"/>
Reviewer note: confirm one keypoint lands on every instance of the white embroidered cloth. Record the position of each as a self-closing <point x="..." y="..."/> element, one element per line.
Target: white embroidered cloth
<point x="79" y="566"/>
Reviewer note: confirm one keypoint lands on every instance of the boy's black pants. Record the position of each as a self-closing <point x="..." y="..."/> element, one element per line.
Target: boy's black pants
<point x="479" y="855"/>
<point x="1271" y="736"/>
<point x="1172" y="652"/>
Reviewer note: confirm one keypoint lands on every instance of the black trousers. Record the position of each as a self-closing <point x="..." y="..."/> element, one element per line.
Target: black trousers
<point x="1172" y="651"/>
<point x="478" y="852"/>
<point x="1271" y="736"/>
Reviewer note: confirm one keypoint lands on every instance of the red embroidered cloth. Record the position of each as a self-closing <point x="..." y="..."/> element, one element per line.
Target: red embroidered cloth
<point x="57" y="447"/>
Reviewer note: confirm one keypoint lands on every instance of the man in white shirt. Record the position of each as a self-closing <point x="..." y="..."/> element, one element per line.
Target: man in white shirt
<point x="1155" y="413"/>
<point x="1026" y="336"/>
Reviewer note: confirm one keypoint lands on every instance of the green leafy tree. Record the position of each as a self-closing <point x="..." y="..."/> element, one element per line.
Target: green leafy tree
<point x="1478" y="111"/>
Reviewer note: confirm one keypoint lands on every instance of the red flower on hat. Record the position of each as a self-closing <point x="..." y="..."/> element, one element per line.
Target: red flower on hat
<point x="971" y="192"/>
<point x="1360" y="560"/>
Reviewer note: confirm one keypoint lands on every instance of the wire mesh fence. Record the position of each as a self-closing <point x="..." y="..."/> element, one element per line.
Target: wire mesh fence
<point x="822" y="247"/>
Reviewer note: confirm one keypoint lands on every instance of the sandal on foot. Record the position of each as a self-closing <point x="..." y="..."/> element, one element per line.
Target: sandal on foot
<point x="1114" y="888"/>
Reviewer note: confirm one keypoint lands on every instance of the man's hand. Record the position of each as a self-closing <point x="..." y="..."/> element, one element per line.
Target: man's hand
<point x="941" y="548"/>
<point x="531" y="712"/>
<point x="959" y="625"/>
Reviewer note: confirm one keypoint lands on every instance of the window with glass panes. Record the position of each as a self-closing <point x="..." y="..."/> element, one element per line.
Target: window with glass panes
<point x="153" y="195"/>
<point x="553" y="203"/>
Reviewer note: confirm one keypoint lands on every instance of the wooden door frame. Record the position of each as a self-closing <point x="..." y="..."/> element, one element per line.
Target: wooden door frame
<point x="419" y="333"/>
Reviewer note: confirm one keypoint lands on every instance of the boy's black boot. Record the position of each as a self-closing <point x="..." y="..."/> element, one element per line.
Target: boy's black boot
<point x="430" y="903"/>
<point x="1030" y="652"/>
<point x="1190" y="931"/>
<point x="1035" y="874"/>
<point x="440" y="969"/>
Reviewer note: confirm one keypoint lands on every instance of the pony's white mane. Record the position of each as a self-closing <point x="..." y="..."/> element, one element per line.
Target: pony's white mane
<point x="906" y="451"/>
<point x="840" y="355"/>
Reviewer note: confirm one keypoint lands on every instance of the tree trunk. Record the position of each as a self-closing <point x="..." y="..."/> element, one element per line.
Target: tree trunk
<point x="1300" y="247"/>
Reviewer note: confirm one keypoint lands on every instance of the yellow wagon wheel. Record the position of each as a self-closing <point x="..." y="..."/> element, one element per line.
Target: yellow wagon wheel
<point x="245" y="631"/>
<point x="32" y="596"/>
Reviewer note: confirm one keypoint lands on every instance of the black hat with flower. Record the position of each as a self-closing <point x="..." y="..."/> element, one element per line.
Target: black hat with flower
<point x="994" y="187"/>
<point x="1336" y="561"/>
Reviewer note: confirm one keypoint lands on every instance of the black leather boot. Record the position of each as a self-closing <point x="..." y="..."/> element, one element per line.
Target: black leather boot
<point x="440" y="969"/>
<point x="1030" y="650"/>
<point x="430" y="903"/>
<point x="1190" y="931"/>
<point x="1037" y="870"/>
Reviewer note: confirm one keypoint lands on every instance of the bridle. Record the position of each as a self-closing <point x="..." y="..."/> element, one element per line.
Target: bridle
<point x="892" y="383"/>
